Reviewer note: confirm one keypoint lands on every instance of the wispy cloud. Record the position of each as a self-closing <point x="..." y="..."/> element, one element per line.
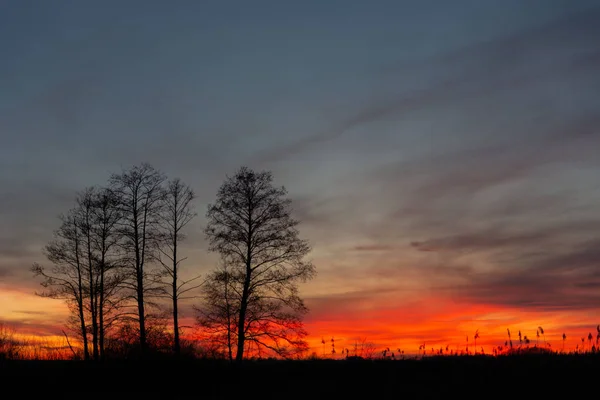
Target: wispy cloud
<point x="372" y="247"/>
<point x="536" y="273"/>
<point x="515" y="63"/>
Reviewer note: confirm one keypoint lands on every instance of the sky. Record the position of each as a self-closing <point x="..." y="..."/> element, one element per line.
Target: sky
<point x="442" y="157"/>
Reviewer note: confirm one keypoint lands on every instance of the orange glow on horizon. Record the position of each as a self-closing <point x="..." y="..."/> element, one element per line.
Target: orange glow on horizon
<point x="435" y="322"/>
<point x="33" y="315"/>
<point x="441" y="324"/>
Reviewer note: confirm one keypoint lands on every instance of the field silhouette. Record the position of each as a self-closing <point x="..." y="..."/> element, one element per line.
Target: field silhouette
<point x="432" y="377"/>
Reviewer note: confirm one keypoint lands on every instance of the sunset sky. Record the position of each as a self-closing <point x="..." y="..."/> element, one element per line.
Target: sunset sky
<point x="443" y="157"/>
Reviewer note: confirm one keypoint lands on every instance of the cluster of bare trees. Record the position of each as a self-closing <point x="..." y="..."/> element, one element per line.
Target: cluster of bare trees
<point x="108" y="255"/>
<point x="116" y="257"/>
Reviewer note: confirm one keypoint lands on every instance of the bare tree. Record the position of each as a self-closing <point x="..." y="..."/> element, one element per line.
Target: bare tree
<point x="84" y="214"/>
<point x="105" y="219"/>
<point x="83" y="257"/>
<point x="218" y="316"/>
<point x="66" y="278"/>
<point x="140" y="197"/>
<point x="178" y="212"/>
<point x="250" y="226"/>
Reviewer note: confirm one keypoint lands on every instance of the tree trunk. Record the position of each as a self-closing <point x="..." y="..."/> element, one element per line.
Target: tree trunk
<point x="228" y="308"/>
<point x="245" y="293"/>
<point x="101" y="311"/>
<point x="96" y="354"/>
<point x="86" y="353"/>
<point x="92" y="288"/>
<point x="242" y="320"/>
<point x="139" y="275"/>
<point x="241" y="324"/>
<point x="94" y="317"/>
<point x="141" y="313"/>
<point x="177" y="347"/>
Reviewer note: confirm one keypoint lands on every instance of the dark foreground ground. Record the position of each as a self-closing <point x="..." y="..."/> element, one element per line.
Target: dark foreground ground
<point x="514" y="377"/>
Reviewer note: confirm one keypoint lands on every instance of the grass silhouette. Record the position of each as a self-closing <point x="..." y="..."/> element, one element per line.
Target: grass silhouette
<point x="384" y="374"/>
<point x="429" y="377"/>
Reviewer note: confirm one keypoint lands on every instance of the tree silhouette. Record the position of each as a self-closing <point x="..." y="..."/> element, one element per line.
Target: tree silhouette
<point x="219" y="312"/>
<point x="140" y="197"/>
<point x="66" y="278"/>
<point x="84" y="213"/>
<point x="106" y="216"/>
<point x="250" y="226"/>
<point x="176" y="215"/>
<point x="84" y="261"/>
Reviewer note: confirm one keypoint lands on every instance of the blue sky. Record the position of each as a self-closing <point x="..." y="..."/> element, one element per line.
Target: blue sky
<point x="425" y="144"/>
